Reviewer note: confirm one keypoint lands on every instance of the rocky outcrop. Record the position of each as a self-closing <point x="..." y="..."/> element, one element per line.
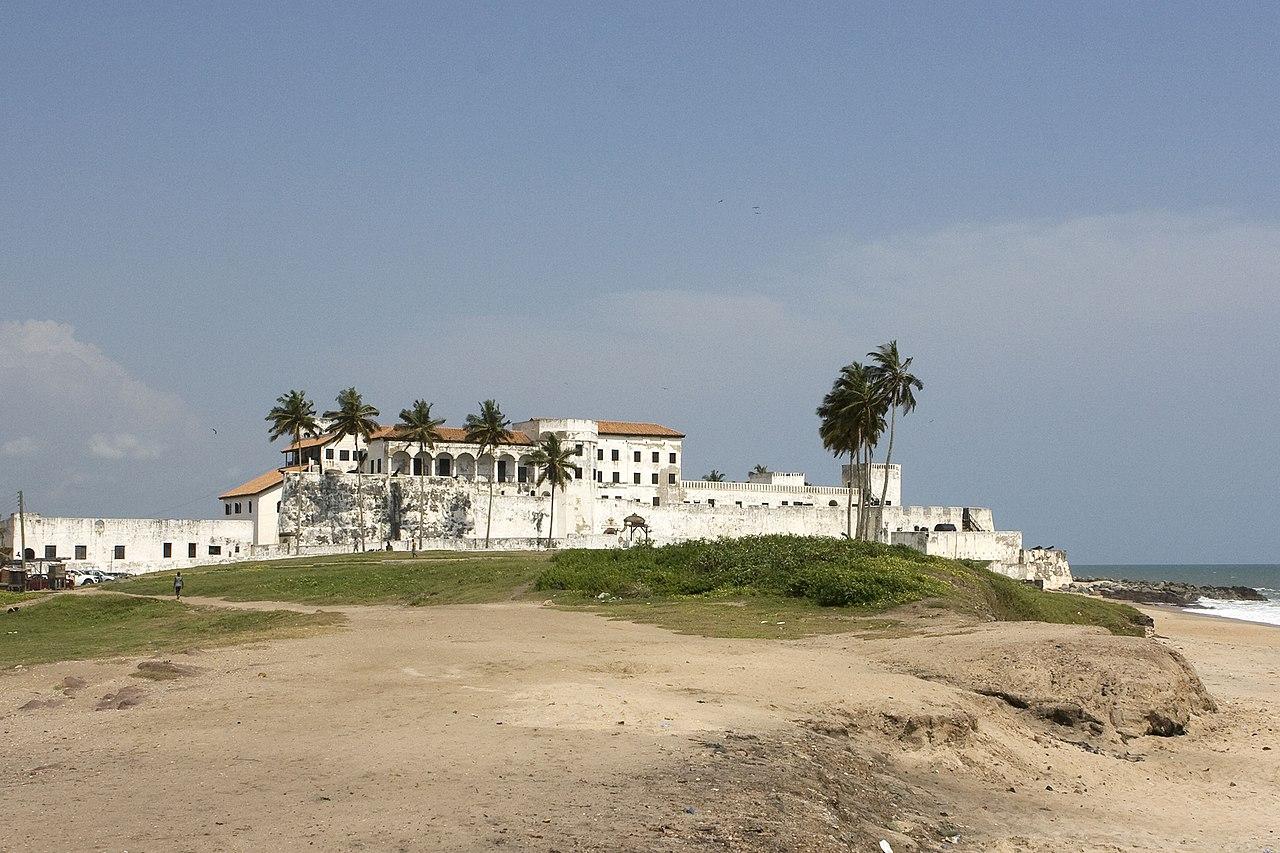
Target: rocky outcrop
<point x="1162" y="592"/>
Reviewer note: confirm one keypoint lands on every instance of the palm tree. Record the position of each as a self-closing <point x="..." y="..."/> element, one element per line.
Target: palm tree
<point x="760" y="469"/>
<point x="557" y="469"/>
<point x="293" y="414"/>
<point x="489" y="429"/>
<point x="418" y="427"/>
<point x="354" y="417"/>
<point x="892" y="375"/>
<point x="852" y="419"/>
<point x="714" y="476"/>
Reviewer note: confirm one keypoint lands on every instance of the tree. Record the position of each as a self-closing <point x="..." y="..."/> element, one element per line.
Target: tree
<point x="293" y="414"/>
<point x="418" y="427"/>
<point x="713" y="476"/>
<point x="488" y="428"/>
<point x="851" y="418"/>
<point x="354" y="417"/>
<point x="553" y="457"/>
<point x="760" y="469"/>
<point x="897" y="384"/>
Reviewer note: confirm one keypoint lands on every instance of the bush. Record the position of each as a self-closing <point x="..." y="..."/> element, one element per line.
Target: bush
<point x="825" y="571"/>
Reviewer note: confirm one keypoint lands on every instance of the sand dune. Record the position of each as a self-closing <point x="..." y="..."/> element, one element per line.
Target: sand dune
<point x="522" y="727"/>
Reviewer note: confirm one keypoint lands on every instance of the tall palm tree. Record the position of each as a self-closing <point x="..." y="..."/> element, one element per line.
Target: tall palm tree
<point x="851" y="421"/>
<point x="418" y="427"/>
<point x="714" y="476"/>
<point x="354" y="417"/>
<point x="892" y="375"/>
<point x="293" y="414"/>
<point x="555" y="460"/>
<point x="489" y="429"/>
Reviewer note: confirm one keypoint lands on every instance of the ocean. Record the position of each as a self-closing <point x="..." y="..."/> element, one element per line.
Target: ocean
<point x="1263" y="577"/>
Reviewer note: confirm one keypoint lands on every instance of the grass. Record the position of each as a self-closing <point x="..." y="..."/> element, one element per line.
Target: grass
<point x="797" y="580"/>
<point x="8" y="599"/>
<point x="731" y="588"/>
<point x="79" y="627"/>
<point x="445" y="577"/>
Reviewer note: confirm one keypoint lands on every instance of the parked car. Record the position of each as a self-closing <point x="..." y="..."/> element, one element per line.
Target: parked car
<point x="88" y="577"/>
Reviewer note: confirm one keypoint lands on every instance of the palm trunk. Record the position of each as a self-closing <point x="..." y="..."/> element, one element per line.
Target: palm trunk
<point x="359" y="494"/>
<point x="297" y="499"/>
<point x="488" y="522"/>
<point x="873" y="525"/>
<point x="863" y="507"/>
<point x="848" y="512"/>
<point x="422" y="489"/>
<point x="551" y="526"/>
<point x="888" y="454"/>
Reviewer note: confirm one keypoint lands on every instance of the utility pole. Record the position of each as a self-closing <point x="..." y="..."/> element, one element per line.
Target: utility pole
<point x="22" y="526"/>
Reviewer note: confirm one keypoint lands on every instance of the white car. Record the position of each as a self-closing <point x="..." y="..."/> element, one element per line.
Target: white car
<point x="86" y="577"/>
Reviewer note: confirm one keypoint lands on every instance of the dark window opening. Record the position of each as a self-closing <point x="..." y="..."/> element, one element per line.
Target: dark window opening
<point x="635" y="457"/>
<point x="577" y="450"/>
<point x="673" y="458"/>
<point x="119" y="552"/>
<point x="191" y="549"/>
<point x="656" y="456"/>
<point x="277" y="506"/>
<point x="599" y="454"/>
<point x="237" y="507"/>
<point x="82" y="552"/>
<point x="635" y="478"/>
<point x="228" y="509"/>
<point x="168" y="550"/>
<point x="654" y="478"/>
<point x="671" y="478"/>
<point x="215" y="550"/>
<point x="577" y="473"/>
<point x="251" y="507"/>
<point x="656" y="501"/>
<point x="614" y="455"/>
<point x="328" y="453"/>
<point x="617" y="478"/>
<point x="344" y="455"/>
<point x="51" y="552"/>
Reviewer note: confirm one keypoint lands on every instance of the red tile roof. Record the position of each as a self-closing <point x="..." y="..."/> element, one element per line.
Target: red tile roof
<point x="311" y="442"/>
<point x="636" y="428"/>
<point x="455" y="435"/>
<point x="258" y="484"/>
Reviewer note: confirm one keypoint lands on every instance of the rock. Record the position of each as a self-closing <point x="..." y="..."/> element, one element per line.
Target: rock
<point x="125" y="697"/>
<point x="1162" y="592"/>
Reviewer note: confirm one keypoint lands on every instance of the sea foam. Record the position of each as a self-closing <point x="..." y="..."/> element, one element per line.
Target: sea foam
<point x="1267" y="612"/>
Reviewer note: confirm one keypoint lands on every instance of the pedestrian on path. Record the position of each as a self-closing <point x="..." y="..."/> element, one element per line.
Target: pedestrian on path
<point x="177" y="586"/>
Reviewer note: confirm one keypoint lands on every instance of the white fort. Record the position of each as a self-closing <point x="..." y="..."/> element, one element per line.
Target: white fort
<point x="627" y="485"/>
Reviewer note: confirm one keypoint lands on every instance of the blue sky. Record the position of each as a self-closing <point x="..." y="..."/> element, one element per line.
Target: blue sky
<point x="690" y="213"/>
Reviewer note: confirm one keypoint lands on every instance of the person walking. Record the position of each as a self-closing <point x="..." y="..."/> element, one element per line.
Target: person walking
<point x="177" y="586"/>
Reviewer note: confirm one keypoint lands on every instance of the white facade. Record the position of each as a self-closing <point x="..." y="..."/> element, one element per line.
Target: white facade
<point x="127" y="544"/>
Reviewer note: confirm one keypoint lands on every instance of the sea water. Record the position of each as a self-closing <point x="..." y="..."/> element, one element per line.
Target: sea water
<point x="1263" y="577"/>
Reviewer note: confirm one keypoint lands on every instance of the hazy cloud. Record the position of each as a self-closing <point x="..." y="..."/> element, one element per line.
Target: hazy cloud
<point x="122" y="445"/>
<point x="23" y="445"/>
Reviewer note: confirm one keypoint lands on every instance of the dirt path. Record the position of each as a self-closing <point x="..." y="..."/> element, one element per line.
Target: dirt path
<point x="528" y="728"/>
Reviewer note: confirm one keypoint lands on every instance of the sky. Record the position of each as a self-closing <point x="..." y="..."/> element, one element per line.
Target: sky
<point x="694" y="214"/>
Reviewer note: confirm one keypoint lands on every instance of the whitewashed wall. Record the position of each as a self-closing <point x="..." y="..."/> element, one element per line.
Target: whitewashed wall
<point x="143" y="540"/>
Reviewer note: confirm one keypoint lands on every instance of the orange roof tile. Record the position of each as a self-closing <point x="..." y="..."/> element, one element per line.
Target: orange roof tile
<point x="455" y="435"/>
<point x="258" y="484"/>
<point x="636" y="428"/>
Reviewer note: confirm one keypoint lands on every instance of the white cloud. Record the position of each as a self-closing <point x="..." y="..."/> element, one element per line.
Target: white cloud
<point x="23" y="445"/>
<point x="122" y="445"/>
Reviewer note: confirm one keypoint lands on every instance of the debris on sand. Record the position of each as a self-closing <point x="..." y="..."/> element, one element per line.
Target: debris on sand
<point x="163" y="670"/>
<point x="125" y="697"/>
<point x="71" y="684"/>
<point x="40" y="704"/>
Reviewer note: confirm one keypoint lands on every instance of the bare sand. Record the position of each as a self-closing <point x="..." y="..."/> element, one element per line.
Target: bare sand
<point x="523" y="727"/>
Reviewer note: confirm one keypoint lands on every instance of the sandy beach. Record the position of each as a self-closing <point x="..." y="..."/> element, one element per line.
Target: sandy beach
<point x="524" y="727"/>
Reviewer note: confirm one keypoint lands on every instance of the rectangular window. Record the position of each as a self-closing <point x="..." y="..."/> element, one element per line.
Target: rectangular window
<point x="635" y="456"/>
<point x="577" y="450"/>
<point x="599" y="476"/>
<point x="617" y="478"/>
<point x="119" y="552"/>
<point x="737" y="503"/>
<point x="168" y="550"/>
<point x="215" y="550"/>
<point x="784" y="503"/>
<point x="250" y="507"/>
<point x="51" y="552"/>
<point x="614" y="455"/>
<point x="635" y="478"/>
<point x="656" y="501"/>
<point x="654" y="478"/>
<point x="82" y="552"/>
<point x="599" y="454"/>
<point x="577" y="473"/>
<point x="655" y="457"/>
<point x="671" y="478"/>
<point x="344" y="455"/>
<point x="711" y="501"/>
<point x="277" y="506"/>
<point x="672" y="458"/>
<point x="228" y="509"/>
<point x="237" y="507"/>
<point x="328" y="453"/>
<point x="191" y="549"/>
